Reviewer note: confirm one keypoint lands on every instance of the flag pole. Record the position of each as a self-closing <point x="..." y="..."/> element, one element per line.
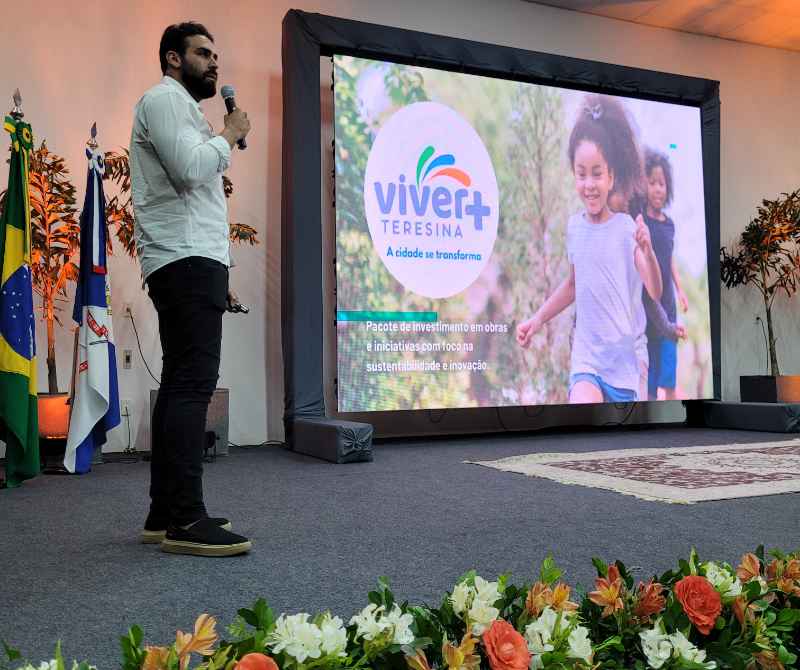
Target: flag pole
<point x="92" y="144"/>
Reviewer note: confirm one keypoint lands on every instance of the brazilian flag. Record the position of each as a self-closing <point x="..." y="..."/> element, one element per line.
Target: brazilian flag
<point x="19" y="421"/>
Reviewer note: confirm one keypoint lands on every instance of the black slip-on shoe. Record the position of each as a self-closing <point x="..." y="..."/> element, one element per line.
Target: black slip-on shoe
<point x="204" y="538"/>
<point x="154" y="533"/>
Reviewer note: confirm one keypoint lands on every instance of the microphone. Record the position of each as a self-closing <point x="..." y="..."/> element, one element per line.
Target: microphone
<point x="227" y="94"/>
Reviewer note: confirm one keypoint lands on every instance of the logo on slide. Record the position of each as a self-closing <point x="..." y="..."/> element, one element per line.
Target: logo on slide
<point x="431" y="201"/>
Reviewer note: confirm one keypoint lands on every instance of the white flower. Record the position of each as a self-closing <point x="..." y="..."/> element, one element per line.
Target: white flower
<point x="546" y="623"/>
<point x="723" y="581"/>
<point x="688" y="652"/>
<point x="480" y="615"/>
<point x="297" y="637"/>
<point x="763" y="584"/>
<point x="401" y="623"/>
<point x="461" y="598"/>
<point x="539" y="634"/>
<point x="372" y="621"/>
<point x="367" y="622"/>
<point x="580" y="646"/>
<point x="486" y="591"/>
<point x="656" y="645"/>
<point x="334" y="636"/>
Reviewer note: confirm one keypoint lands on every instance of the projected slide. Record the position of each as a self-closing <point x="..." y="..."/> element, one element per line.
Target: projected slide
<point x="503" y="243"/>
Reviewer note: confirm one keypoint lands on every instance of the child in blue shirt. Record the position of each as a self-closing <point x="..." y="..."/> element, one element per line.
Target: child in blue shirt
<point x="662" y="350"/>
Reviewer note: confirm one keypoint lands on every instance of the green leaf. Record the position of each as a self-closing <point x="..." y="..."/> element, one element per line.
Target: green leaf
<point x="468" y="577"/>
<point x="752" y="590"/>
<point x="600" y="565"/>
<point x="59" y="657"/>
<point x="549" y="572"/>
<point x="694" y="561"/>
<point x="11" y="653"/>
<point x="264" y="615"/>
<point x="614" y="642"/>
<point x="788" y="617"/>
<point x="760" y="553"/>
<point x="785" y="656"/>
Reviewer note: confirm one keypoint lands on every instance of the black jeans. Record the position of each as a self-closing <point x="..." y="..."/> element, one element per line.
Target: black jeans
<point x="190" y="297"/>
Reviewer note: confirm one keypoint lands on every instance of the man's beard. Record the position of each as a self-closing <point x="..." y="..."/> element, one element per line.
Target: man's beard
<point x="197" y="84"/>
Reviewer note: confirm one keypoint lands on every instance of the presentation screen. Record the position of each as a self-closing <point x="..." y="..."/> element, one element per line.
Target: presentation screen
<point x="501" y="243"/>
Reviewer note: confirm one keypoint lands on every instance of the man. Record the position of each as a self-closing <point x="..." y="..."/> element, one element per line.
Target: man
<point x="181" y="230"/>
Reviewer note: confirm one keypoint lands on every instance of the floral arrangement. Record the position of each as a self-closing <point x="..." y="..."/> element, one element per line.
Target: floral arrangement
<point x="700" y="616"/>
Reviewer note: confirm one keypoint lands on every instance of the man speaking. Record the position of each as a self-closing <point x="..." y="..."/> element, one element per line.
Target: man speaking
<point x="182" y="240"/>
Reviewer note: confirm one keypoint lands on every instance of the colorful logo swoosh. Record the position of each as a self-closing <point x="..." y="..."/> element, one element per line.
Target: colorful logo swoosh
<point x="441" y="166"/>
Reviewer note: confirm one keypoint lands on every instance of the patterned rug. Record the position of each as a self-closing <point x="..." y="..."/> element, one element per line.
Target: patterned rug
<point x="680" y="475"/>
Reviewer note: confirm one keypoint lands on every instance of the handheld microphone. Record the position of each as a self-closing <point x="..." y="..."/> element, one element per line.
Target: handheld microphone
<point x="227" y="94"/>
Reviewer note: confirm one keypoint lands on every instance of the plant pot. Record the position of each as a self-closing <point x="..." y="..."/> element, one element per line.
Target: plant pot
<point x="53" y="429"/>
<point x="766" y="388"/>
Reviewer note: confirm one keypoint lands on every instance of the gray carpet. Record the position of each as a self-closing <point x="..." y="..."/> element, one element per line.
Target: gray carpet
<point x="71" y="567"/>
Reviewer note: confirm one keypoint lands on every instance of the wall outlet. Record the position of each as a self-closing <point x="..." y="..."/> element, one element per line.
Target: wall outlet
<point x="127" y="310"/>
<point x="124" y="407"/>
<point x="127" y="358"/>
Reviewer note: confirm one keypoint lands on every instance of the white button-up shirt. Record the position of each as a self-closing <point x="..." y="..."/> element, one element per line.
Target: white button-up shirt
<point x="176" y="180"/>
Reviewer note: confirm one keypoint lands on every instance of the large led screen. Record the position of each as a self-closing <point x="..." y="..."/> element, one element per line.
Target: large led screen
<point x="504" y="243"/>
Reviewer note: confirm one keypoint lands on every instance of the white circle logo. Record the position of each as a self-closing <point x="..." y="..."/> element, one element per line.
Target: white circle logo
<point x="430" y="197"/>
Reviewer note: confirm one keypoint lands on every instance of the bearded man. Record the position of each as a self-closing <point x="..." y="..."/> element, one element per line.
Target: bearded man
<point x="182" y="240"/>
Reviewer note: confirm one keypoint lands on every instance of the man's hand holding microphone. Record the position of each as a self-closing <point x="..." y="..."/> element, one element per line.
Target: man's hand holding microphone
<point x="237" y="125"/>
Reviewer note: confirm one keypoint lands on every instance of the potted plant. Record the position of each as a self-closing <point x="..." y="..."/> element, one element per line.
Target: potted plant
<point x="767" y="256"/>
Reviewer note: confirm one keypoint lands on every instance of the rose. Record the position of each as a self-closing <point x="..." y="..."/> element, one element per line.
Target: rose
<point x="505" y="648"/>
<point x="700" y="600"/>
<point x="256" y="661"/>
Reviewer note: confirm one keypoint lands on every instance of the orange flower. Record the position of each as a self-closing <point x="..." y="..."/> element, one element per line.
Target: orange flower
<point x="462" y="657"/>
<point x="607" y="595"/>
<point x="700" y="600"/>
<point x="155" y="658"/>
<point x="538" y="598"/>
<point x="541" y="596"/>
<point x="613" y="572"/>
<point x="768" y="660"/>
<point x="560" y="601"/>
<point x="792" y="570"/>
<point x="788" y="586"/>
<point x="774" y="570"/>
<point x="649" y="600"/>
<point x="744" y="613"/>
<point x="749" y="568"/>
<point x="256" y="661"/>
<point x="418" y="661"/>
<point x="200" y="642"/>
<point x="505" y="648"/>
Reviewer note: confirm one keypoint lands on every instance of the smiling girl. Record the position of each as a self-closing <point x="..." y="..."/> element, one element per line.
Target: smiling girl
<point x="611" y="258"/>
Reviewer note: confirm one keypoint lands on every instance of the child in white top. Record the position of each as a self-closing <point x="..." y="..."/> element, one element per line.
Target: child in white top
<point x="610" y="256"/>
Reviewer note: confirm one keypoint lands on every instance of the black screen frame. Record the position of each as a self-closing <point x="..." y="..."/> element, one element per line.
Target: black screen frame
<point x="307" y="37"/>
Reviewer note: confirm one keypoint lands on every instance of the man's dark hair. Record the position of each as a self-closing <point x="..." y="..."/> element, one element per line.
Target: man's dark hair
<point x="174" y="39"/>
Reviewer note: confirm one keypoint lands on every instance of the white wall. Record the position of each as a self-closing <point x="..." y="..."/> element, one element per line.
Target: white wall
<point x="88" y="61"/>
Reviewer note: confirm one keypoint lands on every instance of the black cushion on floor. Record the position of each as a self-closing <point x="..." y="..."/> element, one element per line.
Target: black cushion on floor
<point x="332" y="440"/>
<point x="774" y="417"/>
